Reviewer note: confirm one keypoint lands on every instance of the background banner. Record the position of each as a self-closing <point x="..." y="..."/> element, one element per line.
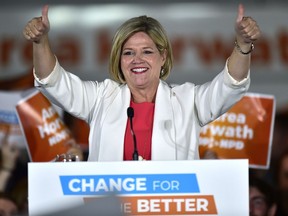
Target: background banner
<point x="202" y="37"/>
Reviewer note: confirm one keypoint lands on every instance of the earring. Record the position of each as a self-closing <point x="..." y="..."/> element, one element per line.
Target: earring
<point x="162" y="72"/>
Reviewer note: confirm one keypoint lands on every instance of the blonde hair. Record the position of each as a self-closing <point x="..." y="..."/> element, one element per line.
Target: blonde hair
<point x="154" y="30"/>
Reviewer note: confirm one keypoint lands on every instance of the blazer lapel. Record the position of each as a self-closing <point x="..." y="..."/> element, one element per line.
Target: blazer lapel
<point x="114" y="125"/>
<point x="163" y="136"/>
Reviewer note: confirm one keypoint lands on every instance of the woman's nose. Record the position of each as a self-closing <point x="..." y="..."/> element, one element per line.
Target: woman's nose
<point x="137" y="58"/>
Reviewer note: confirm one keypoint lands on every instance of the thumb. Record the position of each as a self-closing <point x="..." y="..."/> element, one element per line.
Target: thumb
<point x="240" y="13"/>
<point x="45" y="19"/>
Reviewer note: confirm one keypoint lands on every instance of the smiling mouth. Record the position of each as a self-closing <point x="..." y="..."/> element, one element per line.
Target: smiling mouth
<point x="139" y="70"/>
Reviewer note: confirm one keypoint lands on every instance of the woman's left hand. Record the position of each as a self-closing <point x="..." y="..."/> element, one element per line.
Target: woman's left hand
<point x="247" y="29"/>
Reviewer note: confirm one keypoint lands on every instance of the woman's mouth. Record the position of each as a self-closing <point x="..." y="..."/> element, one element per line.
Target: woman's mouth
<point x="139" y="70"/>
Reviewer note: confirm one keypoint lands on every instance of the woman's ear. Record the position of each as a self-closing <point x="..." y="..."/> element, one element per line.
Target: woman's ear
<point x="164" y="56"/>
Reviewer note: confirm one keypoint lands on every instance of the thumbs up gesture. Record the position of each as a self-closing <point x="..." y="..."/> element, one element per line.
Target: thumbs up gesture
<point x="247" y="30"/>
<point x="38" y="27"/>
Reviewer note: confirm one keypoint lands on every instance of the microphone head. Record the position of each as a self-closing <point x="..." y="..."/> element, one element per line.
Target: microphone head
<point x="130" y="112"/>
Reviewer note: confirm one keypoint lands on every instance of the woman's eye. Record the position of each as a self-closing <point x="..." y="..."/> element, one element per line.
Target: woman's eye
<point x="127" y="53"/>
<point x="148" y="52"/>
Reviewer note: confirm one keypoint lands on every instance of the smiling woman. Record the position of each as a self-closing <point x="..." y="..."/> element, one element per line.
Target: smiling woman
<point x="141" y="65"/>
<point x="140" y="61"/>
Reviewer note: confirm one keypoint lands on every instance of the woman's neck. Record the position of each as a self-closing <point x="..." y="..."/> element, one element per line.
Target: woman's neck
<point x="140" y="98"/>
<point x="143" y="95"/>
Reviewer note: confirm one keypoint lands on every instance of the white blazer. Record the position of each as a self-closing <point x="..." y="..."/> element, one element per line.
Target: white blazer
<point x="180" y="111"/>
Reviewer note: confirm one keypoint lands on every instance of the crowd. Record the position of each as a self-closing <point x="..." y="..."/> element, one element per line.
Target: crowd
<point x="268" y="189"/>
<point x="13" y="177"/>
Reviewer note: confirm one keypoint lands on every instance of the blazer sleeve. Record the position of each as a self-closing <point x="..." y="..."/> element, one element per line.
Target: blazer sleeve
<point x="69" y="92"/>
<point x="214" y="98"/>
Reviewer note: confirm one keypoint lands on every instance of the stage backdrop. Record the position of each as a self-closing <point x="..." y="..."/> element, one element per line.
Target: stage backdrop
<point x="202" y="36"/>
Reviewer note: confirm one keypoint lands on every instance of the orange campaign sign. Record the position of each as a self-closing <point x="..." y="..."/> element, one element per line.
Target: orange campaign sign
<point x="245" y="131"/>
<point x="46" y="134"/>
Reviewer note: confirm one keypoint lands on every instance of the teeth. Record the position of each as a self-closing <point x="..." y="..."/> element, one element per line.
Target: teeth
<point x="138" y="70"/>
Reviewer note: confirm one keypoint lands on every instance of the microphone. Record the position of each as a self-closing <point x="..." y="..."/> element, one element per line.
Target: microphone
<point x="130" y="114"/>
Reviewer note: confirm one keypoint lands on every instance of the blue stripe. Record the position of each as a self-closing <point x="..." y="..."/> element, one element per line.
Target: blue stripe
<point x="129" y="184"/>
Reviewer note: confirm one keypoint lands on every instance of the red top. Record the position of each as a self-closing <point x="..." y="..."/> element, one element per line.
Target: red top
<point x="142" y="125"/>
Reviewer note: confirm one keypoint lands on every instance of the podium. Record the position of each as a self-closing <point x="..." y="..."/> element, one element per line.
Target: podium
<point x="199" y="187"/>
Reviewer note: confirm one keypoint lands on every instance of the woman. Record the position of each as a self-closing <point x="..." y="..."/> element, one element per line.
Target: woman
<point x="167" y="119"/>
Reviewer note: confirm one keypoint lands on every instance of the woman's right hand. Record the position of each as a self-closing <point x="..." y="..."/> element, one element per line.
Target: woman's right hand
<point x="38" y="27"/>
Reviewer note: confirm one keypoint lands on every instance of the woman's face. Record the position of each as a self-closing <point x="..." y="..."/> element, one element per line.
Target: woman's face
<point x="141" y="62"/>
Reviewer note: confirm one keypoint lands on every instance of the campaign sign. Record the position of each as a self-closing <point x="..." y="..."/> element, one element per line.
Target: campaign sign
<point x="245" y="131"/>
<point x="45" y="132"/>
<point x="199" y="187"/>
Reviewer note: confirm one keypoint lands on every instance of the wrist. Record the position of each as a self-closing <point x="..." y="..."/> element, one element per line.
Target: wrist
<point x="245" y="49"/>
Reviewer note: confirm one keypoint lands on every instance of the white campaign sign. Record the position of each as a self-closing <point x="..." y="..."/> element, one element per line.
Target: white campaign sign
<point x="204" y="187"/>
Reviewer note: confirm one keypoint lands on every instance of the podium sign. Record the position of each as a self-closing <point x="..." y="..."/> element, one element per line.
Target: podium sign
<point x="199" y="187"/>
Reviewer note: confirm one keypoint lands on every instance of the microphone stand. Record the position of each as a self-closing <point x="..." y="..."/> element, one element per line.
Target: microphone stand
<point x="130" y="113"/>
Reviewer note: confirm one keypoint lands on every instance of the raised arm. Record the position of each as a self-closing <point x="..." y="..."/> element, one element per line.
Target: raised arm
<point x="247" y="31"/>
<point x="36" y="31"/>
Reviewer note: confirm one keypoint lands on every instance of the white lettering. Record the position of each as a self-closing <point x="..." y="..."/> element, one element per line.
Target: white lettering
<point x="49" y="128"/>
<point x="46" y="114"/>
<point x="109" y="185"/>
<point x="233" y="118"/>
<point x="166" y="185"/>
<point x="58" y="137"/>
<point x="87" y="184"/>
<point x="166" y="205"/>
<point x="72" y="183"/>
<point x="101" y="185"/>
<point x="143" y="205"/>
<point x="239" y="132"/>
